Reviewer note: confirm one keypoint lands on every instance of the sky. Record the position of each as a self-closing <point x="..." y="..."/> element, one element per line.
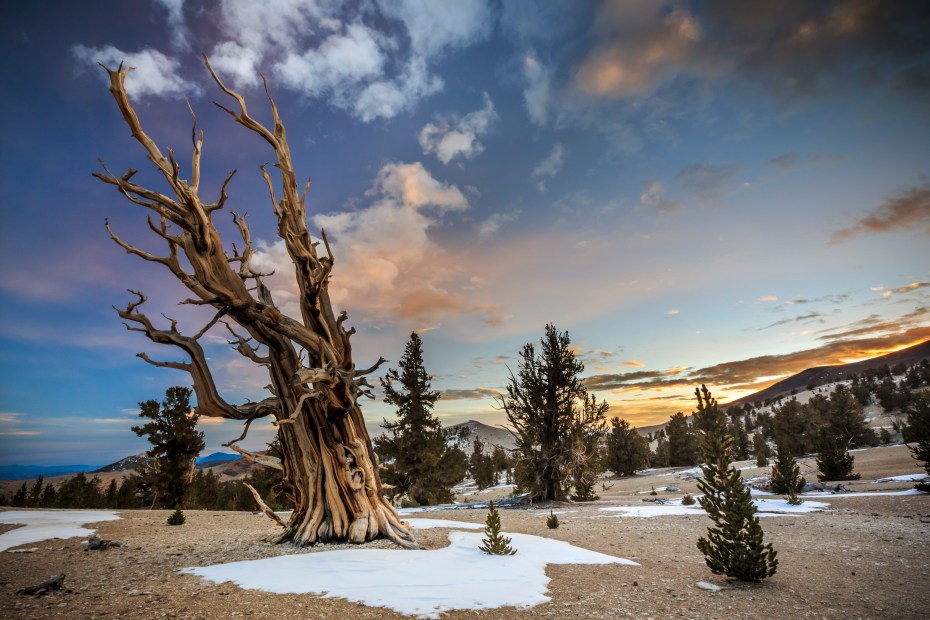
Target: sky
<point x="698" y="192"/>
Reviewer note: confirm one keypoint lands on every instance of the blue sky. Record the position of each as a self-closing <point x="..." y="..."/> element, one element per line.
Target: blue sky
<point x="721" y="192"/>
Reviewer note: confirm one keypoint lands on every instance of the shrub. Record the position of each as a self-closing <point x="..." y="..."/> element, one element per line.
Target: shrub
<point x="494" y="542"/>
<point x="177" y="518"/>
<point x="552" y="521"/>
<point x="687" y="500"/>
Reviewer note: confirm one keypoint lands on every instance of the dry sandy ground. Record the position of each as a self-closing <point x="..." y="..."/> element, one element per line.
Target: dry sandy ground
<point x="866" y="558"/>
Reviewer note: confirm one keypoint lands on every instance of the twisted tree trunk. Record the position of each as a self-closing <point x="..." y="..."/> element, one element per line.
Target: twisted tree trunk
<point x="329" y="468"/>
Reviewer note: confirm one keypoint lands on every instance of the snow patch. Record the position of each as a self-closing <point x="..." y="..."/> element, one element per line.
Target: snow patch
<point x="904" y="478"/>
<point x="48" y="524"/>
<point x="422" y="524"/>
<point x="423" y="583"/>
<point x="764" y="507"/>
<point x="872" y="494"/>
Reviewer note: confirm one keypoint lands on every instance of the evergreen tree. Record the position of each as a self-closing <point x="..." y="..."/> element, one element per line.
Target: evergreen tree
<point x="20" y="497"/>
<point x="786" y="474"/>
<point x="495" y="543"/>
<point x="846" y="422"/>
<point x="482" y="466"/>
<point x="794" y="427"/>
<point x="681" y="441"/>
<point x="917" y="432"/>
<point x="49" y="496"/>
<point x="627" y="451"/>
<point x="660" y="458"/>
<point x="35" y="492"/>
<point x="415" y="457"/>
<point x="733" y="546"/>
<point x="761" y="450"/>
<point x="175" y="445"/>
<point x="502" y="463"/>
<point x="587" y="461"/>
<point x="545" y="405"/>
<point x="741" y="441"/>
<point x="111" y="494"/>
<point x="552" y="521"/>
<point x="834" y="461"/>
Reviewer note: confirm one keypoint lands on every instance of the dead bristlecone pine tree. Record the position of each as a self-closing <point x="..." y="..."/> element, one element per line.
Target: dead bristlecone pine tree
<point x="494" y="542"/>
<point x="328" y="468"/>
<point x="733" y="546"/>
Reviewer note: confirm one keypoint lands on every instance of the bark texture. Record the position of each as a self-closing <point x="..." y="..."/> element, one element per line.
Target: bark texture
<point x="329" y="469"/>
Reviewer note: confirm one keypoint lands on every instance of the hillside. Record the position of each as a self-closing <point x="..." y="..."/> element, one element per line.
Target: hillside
<point x="463" y="435"/>
<point x="820" y="375"/>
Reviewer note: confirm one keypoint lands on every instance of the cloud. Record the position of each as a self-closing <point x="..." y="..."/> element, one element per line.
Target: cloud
<point x="706" y="182"/>
<point x="640" y="45"/>
<point x="907" y="210"/>
<point x="549" y="166"/>
<point x="480" y="393"/>
<point x="372" y="60"/>
<point x="833" y="299"/>
<point x="803" y="318"/>
<point x="536" y="94"/>
<point x="489" y="227"/>
<point x="155" y="74"/>
<point x="873" y="324"/>
<point x="907" y="288"/>
<point x="768" y="298"/>
<point x="785" y="161"/>
<point x="388" y="268"/>
<point x="179" y="32"/>
<point x="673" y="312"/>
<point x="652" y="197"/>
<point x="791" y="48"/>
<point x="458" y="137"/>
<point x="759" y="372"/>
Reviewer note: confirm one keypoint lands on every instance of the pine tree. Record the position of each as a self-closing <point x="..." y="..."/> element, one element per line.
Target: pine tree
<point x="786" y="473"/>
<point x="482" y="466"/>
<point x="415" y="457"/>
<point x="552" y="521"/>
<point x="733" y="546"/>
<point x="917" y="431"/>
<point x="833" y="460"/>
<point x="495" y="543"/>
<point x="846" y="420"/>
<point x="35" y="492"/>
<point x="587" y="459"/>
<point x="761" y="450"/>
<point x="681" y="441"/>
<point x="627" y="451"/>
<point x="175" y="445"/>
<point x="545" y="405"/>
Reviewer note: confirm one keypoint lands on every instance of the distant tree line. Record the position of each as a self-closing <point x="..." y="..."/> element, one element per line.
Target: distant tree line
<point x="205" y="492"/>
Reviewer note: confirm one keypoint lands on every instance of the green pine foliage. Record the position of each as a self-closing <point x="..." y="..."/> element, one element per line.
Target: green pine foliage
<point x="175" y="446"/>
<point x="557" y="429"/>
<point x="627" y="450"/>
<point x="495" y="543"/>
<point x="917" y="432"/>
<point x="415" y="458"/>
<point x="481" y="466"/>
<point x="552" y="521"/>
<point x="687" y="500"/>
<point x="834" y="461"/>
<point x="682" y="446"/>
<point x="786" y="473"/>
<point x="733" y="546"/>
<point x="176" y="518"/>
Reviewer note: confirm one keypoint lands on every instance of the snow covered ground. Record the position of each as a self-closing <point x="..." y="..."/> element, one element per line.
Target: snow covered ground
<point x="423" y="583"/>
<point x="47" y="524"/>
<point x="904" y="478"/>
<point x="765" y="507"/>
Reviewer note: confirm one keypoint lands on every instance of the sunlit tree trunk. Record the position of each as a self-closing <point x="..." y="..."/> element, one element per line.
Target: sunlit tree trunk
<point x="329" y="469"/>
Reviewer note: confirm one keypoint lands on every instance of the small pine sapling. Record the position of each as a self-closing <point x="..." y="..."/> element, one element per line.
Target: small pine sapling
<point x="786" y="474"/>
<point x="552" y="521"/>
<point x="733" y="546"/>
<point x="834" y="461"/>
<point x="687" y="500"/>
<point x="177" y="518"/>
<point x="494" y="542"/>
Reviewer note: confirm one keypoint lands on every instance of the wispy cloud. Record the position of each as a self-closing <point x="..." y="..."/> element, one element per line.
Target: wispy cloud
<point x="706" y="182"/>
<point x="548" y="167"/>
<point x="480" y="393"/>
<point x="802" y="318"/>
<point x="652" y="197"/>
<point x="458" y="137"/>
<point x="908" y="209"/>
